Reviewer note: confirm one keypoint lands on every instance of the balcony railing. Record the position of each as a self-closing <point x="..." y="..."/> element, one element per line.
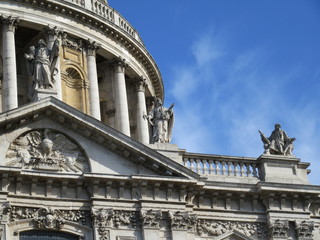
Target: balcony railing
<point x="222" y="165"/>
<point x="102" y="9"/>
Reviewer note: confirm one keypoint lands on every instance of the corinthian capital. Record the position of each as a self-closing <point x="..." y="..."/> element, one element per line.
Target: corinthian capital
<point x="141" y="84"/>
<point x="92" y="47"/>
<point x="9" y="23"/>
<point x="120" y="64"/>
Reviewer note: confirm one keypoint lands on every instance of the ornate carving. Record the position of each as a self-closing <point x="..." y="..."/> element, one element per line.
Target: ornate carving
<point x="305" y="230"/>
<point x="278" y="143"/>
<point x="75" y="44"/>
<point x="279" y="228"/>
<point x="46" y="149"/>
<point x="161" y="120"/>
<point x="10" y="23"/>
<point x="47" y="217"/>
<point x="125" y="218"/>
<point x="150" y="218"/>
<point x="102" y="220"/>
<point x="92" y="47"/>
<point x="217" y="228"/>
<point x="52" y="30"/>
<point x="182" y="220"/>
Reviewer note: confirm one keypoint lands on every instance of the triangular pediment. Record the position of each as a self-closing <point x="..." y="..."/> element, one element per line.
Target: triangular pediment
<point x="50" y="131"/>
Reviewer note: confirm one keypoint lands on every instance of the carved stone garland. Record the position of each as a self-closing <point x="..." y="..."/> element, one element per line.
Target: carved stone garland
<point x="44" y="218"/>
<point x="182" y="220"/>
<point x="150" y="218"/>
<point x="305" y="230"/>
<point x="47" y="150"/>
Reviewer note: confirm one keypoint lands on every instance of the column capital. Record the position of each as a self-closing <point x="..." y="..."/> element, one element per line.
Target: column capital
<point x="120" y="64"/>
<point x="141" y="84"/>
<point x="92" y="47"/>
<point x="10" y="23"/>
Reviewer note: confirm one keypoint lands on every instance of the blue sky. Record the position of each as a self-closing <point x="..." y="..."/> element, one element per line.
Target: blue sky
<point x="233" y="67"/>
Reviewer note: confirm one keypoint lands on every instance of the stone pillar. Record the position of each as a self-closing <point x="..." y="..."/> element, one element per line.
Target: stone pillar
<point x="9" y="83"/>
<point x="142" y="123"/>
<point x="93" y="80"/>
<point x="52" y="34"/>
<point x="120" y="98"/>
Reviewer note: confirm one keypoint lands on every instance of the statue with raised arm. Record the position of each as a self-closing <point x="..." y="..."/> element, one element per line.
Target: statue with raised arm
<point x="161" y="121"/>
<point x="278" y="143"/>
<point x="42" y="61"/>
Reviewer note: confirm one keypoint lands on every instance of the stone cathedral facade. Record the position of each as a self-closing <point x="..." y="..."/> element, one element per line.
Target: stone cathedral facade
<point x="85" y="148"/>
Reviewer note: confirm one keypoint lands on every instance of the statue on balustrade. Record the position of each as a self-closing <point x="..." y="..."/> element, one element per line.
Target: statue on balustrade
<point x="278" y="143"/>
<point x="41" y="61"/>
<point x="161" y="120"/>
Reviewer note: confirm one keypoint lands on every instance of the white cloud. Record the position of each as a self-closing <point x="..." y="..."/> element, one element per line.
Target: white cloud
<point x="221" y="109"/>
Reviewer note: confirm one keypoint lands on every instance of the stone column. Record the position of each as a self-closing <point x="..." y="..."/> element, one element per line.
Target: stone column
<point x="120" y="98"/>
<point x="52" y="34"/>
<point x="142" y="123"/>
<point x="9" y="83"/>
<point x="93" y="80"/>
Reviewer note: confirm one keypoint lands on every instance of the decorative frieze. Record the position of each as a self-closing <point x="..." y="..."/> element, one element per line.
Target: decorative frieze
<point x="279" y="228"/>
<point x="305" y="230"/>
<point x="182" y="220"/>
<point x="216" y="228"/>
<point x="70" y="42"/>
<point x="150" y="218"/>
<point x="48" y="150"/>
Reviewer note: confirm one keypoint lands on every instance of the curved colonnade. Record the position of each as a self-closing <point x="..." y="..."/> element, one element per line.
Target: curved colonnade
<point x="103" y="68"/>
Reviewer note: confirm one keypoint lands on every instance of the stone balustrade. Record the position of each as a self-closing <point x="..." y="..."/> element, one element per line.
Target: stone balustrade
<point x="102" y="9"/>
<point x="223" y="166"/>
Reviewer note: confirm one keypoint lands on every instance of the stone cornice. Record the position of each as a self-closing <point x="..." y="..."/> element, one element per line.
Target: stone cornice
<point x="108" y="26"/>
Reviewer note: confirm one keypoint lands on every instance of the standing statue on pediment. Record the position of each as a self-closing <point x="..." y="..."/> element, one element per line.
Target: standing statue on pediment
<point x="42" y="61"/>
<point x="278" y="143"/>
<point x="161" y="121"/>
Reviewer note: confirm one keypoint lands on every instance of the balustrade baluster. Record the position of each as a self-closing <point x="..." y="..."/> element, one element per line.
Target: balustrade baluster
<point x="254" y="168"/>
<point x="248" y="172"/>
<point x="211" y="169"/>
<point x="242" y="171"/>
<point x="191" y="164"/>
<point x="236" y="171"/>
<point x="218" y="170"/>
<point x="198" y="165"/>
<point x="205" y="166"/>
<point x="229" y="169"/>
<point x="223" y="168"/>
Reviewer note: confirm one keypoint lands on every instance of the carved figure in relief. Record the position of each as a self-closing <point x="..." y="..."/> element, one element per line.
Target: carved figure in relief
<point x="278" y="143"/>
<point x="42" y="61"/>
<point x="161" y="120"/>
<point x="46" y="149"/>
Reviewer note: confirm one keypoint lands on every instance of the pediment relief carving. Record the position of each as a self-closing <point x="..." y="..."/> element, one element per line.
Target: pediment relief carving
<point x="46" y="149"/>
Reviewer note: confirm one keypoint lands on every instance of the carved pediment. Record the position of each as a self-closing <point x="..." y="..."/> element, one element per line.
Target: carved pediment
<point x="46" y="149"/>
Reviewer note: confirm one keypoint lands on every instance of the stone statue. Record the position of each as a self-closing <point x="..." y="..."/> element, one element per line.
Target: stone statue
<point x="278" y="143"/>
<point x="42" y="61"/>
<point x="161" y="121"/>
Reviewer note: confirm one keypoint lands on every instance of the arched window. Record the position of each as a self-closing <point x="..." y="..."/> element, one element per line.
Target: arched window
<point x="46" y="235"/>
